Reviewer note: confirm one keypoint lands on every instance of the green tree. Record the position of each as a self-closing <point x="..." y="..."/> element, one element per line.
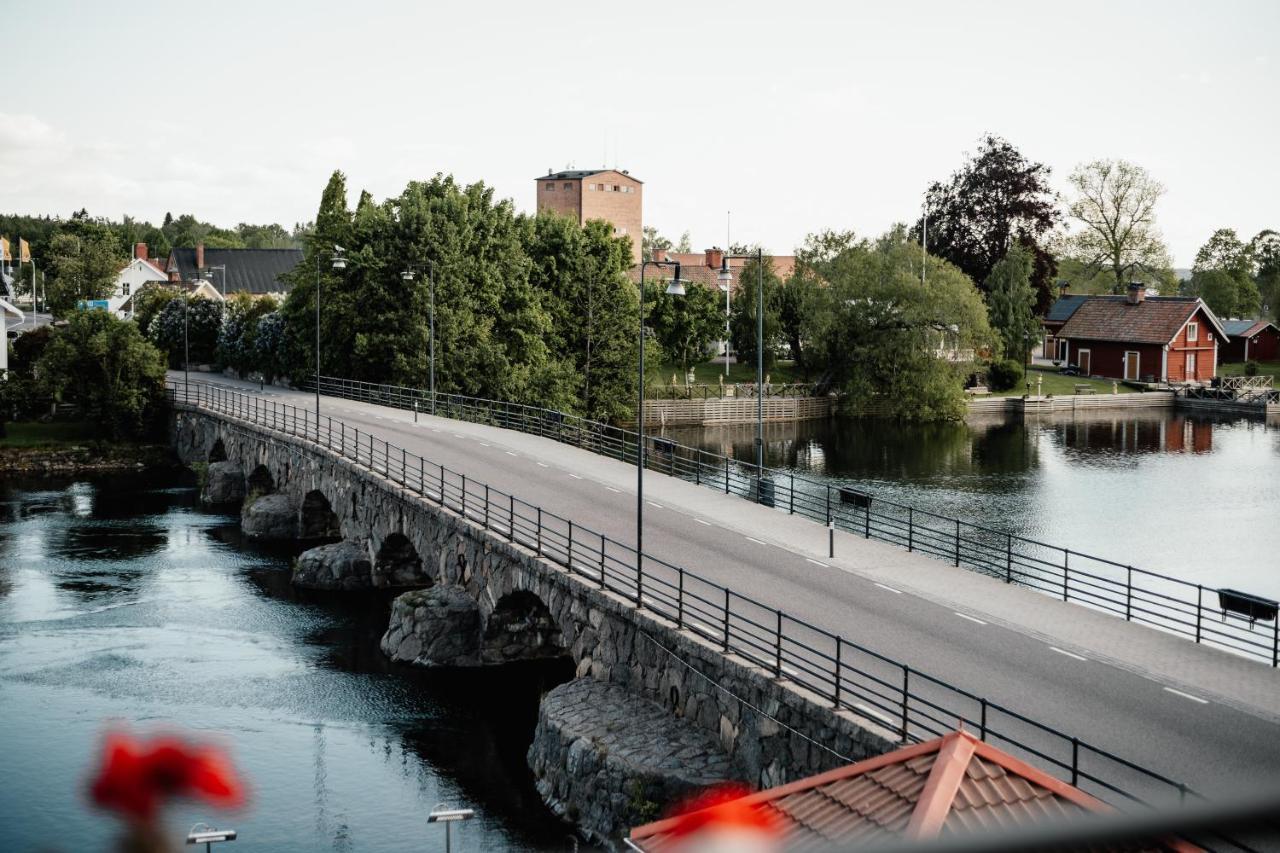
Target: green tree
<point x="1011" y="303"/>
<point x="1227" y="294"/>
<point x="237" y="335"/>
<point x="743" y="324"/>
<point x="269" y="346"/>
<point x="684" y="326"/>
<point x="1115" y="206"/>
<point x="106" y="367"/>
<point x="148" y="303"/>
<point x="1264" y="248"/>
<point x="187" y="325"/>
<point x="877" y="331"/>
<point x="653" y="242"/>
<point x="83" y="263"/>
<point x="1225" y="251"/>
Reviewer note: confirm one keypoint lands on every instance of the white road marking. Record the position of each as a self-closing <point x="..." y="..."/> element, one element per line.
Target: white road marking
<point x="757" y="541"/>
<point x="575" y="476"/>
<point x="612" y="489"/>
<point x="509" y="453"/>
<point x="485" y="444"/>
<point x="816" y="562"/>
<point x="1067" y="653"/>
<point x="789" y="671"/>
<point x="700" y="521"/>
<point x="970" y="618"/>
<point x="899" y="592"/>
<point x="1187" y="696"/>
<point x="872" y="712"/>
<point x="457" y="435"/>
<point x="654" y="505"/>
<point x="543" y="465"/>
<point x="433" y="429"/>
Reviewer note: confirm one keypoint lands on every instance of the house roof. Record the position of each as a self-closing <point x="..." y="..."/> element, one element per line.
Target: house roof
<point x="150" y="266"/>
<point x="1063" y="307"/>
<point x="953" y="784"/>
<point x="6" y="308"/>
<point x="255" y="271"/>
<point x="576" y="174"/>
<point x="1154" y="320"/>
<point x="1245" y="328"/>
<point x="694" y="269"/>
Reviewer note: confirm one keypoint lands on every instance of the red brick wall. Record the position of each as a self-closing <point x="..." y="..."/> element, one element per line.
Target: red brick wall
<point x="622" y="207"/>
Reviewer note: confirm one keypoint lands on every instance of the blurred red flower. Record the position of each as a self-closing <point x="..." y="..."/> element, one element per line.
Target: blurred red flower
<point x="138" y="777"/>
<point x="719" y="808"/>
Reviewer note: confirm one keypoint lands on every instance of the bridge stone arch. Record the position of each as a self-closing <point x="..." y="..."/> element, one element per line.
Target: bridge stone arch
<point x="317" y="520"/>
<point x="218" y="453"/>
<point x="260" y="481"/>
<point x="520" y="627"/>
<point x="396" y="563"/>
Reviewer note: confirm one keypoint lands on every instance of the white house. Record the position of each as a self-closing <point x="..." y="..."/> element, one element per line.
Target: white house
<point x="138" y="274"/>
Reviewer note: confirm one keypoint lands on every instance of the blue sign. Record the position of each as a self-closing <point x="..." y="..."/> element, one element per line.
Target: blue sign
<point x="92" y="304"/>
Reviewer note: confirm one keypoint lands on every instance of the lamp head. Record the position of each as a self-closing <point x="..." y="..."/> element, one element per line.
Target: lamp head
<point x="676" y="287"/>
<point x="724" y="276"/>
<point x="407" y="275"/>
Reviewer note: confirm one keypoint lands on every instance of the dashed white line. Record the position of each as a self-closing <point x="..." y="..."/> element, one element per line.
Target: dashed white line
<point x="654" y="505"/>
<point x="1187" y="696"/>
<point x="872" y="712"/>
<point x="899" y="592"/>
<point x="485" y="443"/>
<point x="543" y="465"/>
<point x="700" y="521"/>
<point x="575" y="476"/>
<point x="612" y="489"/>
<point x="970" y="618"/>
<point x="508" y="452"/>
<point x="1067" y="653"/>
<point x="757" y="541"/>
<point x="816" y="562"/>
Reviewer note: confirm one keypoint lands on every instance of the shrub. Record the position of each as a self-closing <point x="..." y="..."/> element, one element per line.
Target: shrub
<point x="1251" y="368"/>
<point x="1004" y="375"/>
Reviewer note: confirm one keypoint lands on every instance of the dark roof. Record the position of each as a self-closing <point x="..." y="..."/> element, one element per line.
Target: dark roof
<point x="576" y="174"/>
<point x="255" y="271"/>
<point x="1245" y="328"/>
<point x="954" y="784"/>
<point x="1064" y="307"/>
<point x="1154" y="320"/>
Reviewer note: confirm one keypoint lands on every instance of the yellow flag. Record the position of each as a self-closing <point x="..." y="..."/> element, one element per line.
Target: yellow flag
<point x="24" y="251"/>
<point x="4" y="249"/>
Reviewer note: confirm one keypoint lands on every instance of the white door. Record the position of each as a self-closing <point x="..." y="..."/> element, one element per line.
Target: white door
<point x="1191" y="367"/>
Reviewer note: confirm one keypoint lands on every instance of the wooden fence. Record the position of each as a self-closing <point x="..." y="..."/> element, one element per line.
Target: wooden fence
<point x="733" y="411"/>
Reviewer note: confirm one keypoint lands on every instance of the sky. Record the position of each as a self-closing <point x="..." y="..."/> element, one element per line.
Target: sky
<point x="796" y="117"/>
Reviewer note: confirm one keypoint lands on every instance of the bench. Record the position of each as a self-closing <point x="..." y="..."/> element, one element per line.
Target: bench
<point x="977" y="391"/>
<point x="1085" y="389"/>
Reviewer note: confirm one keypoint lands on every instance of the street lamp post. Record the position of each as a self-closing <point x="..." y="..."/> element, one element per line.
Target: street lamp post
<point x="407" y="276"/>
<point x="675" y="288"/>
<point x="726" y="277"/>
<point x="186" y="345"/>
<point x="339" y="263"/>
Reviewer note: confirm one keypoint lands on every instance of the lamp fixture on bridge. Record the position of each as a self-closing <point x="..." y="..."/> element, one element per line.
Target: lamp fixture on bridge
<point x="204" y="834"/>
<point x="447" y="817"/>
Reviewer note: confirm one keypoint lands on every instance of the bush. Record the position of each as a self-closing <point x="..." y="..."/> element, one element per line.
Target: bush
<point x="201" y="327"/>
<point x="1251" y="368"/>
<point x="1004" y="375"/>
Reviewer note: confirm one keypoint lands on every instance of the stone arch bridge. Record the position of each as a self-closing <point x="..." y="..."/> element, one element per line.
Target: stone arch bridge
<point x="653" y="713"/>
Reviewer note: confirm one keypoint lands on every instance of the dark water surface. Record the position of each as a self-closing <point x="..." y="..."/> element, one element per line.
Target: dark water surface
<point x="122" y="601"/>
<point x="1192" y="496"/>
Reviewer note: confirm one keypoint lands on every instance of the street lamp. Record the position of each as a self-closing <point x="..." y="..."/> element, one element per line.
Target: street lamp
<point x="725" y="278"/>
<point x="204" y="834"/>
<point x="448" y="817"/>
<point x="726" y="284"/>
<point x="407" y="275"/>
<point x="339" y="263"/>
<point x="674" y="288"/>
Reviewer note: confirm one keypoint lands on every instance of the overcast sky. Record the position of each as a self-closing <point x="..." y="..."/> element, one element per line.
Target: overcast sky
<point x="795" y="116"/>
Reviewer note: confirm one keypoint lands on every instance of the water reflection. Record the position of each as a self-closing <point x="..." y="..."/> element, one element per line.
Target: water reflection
<point x="167" y="618"/>
<point x="1092" y="481"/>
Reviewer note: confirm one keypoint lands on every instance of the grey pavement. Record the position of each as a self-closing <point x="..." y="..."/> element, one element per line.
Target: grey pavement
<point x="1201" y="716"/>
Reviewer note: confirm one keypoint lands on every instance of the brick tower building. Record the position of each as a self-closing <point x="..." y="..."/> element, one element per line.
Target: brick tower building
<point x="586" y="194"/>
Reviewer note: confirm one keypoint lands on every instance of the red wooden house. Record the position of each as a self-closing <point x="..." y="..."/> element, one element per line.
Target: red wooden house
<point x="1251" y="340"/>
<point x="1156" y="339"/>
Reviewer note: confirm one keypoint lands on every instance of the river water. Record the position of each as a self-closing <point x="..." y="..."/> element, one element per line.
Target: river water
<point x="1192" y="496"/>
<point x="122" y="602"/>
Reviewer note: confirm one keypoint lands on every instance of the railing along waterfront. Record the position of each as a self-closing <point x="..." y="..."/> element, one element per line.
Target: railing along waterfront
<point x="730" y="391"/>
<point x="1138" y="595"/>
<point x="905" y="702"/>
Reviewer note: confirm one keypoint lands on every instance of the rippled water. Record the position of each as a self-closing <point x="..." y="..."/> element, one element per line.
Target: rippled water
<point x="1196" y="497"/>
<point x="121" y="601"/>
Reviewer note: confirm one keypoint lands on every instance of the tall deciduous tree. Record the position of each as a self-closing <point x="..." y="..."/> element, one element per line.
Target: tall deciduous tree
<point x="877" y="330"/>
<point x="996" y="199"/>
<point x="1223" y="276"/>
<point x="1011" y="303"/>
<point x="1265" y="250"/>
<point x="83" y="263"/>
<point x="1115" y="205"/>
<point x="743" y="325"/>
<point x="685" y="326"/>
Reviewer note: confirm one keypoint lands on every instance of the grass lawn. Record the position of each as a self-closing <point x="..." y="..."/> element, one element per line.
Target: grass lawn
<point x="1265" y="368"/>
<point x="49" y="435"/>
<point x="709" y="374"/>
<point x="1058" y="385"/>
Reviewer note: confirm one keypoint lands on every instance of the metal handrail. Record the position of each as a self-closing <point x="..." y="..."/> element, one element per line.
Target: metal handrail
<point x="911" y="704"/>
<point x="1158" y="600"/>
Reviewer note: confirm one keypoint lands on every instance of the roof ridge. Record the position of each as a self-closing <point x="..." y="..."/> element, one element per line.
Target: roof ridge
<point x="935" y="801"/>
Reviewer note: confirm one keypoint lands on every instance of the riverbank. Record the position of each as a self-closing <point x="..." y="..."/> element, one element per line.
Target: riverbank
<point x="68" y="447"/>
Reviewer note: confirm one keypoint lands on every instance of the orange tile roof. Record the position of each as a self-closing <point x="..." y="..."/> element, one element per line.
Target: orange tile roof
<point x="954" y="784"/>
<point x="1155" y="320"/>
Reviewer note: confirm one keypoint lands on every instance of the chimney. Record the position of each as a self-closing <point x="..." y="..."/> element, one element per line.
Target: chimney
<point x="715" y="257"/>
<point x="139" y="251"/>
<point x="1137" y="292"/>
<point x="659" y="254"/>
<point x="199" y="256"/>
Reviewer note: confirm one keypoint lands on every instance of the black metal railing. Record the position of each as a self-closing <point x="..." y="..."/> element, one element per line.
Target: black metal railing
<point x="904" y="702"/>
<point x="1167" y="603"/>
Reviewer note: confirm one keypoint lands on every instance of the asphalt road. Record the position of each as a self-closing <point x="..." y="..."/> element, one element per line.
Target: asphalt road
<point x="1213" y="746"/>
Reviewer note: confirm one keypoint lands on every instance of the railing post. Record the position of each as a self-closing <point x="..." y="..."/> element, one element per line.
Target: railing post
<point x="866" y="519"/>
<point x="828" y="490"/>
<point x="839" y="649"/>
<point x="1199" y="608"/>
<point x="1066" y="573"/>
<point x="602" y="543"/>
<point x="982" y="726"/>
<point x="679" y="599"/>
<point x="464" y="496"/>
<point x="441" y="485"/>
<point x="1008" y="558"/>
<point x="726" y="475"/>
<point x="422" y="475"/>
<point x="727" y="593"/>
<point x="1075" y="761"/>
<point x="957" y="542"/>
<point x="1128" y="592"/>
<point x="569" y="558"/>
<point x="911" y="529"/>
<point x="906" y="698"/>
<point x="486" y="518"/>
<point x="1275" y="643"/>
<point x="639" y="581"/>
<point x="404" y="466"/>
<point x="791" y="508"/>
<point x="777" y="661"/>
<point x="539" y="538"/>
<point x="511" y="518"/>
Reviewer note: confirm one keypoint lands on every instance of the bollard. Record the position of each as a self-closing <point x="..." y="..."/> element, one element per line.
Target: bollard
<point x="831" y="539"/>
